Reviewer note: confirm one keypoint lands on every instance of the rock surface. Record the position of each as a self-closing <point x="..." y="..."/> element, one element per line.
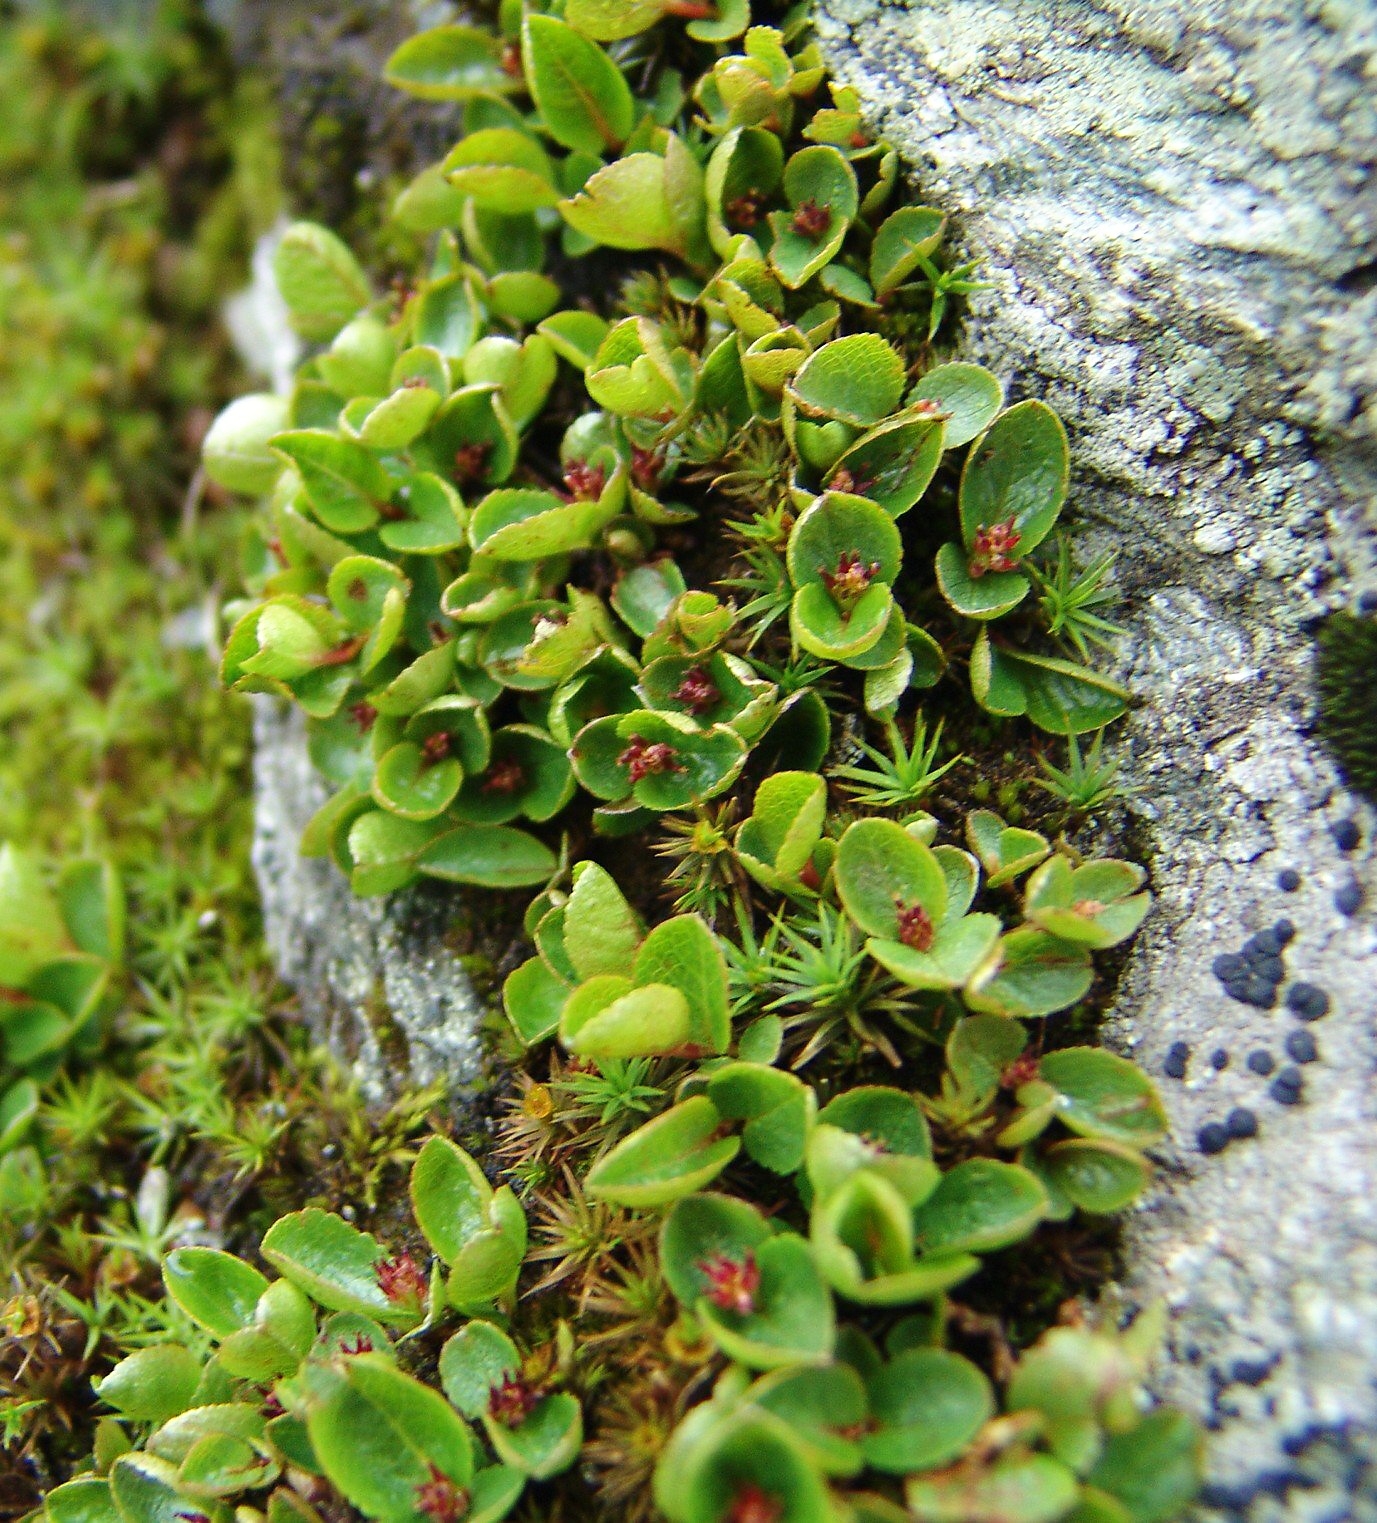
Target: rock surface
<point x="1175" y="209"/>
<point x="377" y="978"/>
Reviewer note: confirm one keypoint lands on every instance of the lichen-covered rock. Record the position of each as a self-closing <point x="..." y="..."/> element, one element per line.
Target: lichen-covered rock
<point x="377" y="978"/>
<point x="1174" y="207"/>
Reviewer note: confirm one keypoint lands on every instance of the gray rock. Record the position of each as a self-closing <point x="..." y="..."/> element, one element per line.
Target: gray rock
<point x="1174" y="207"/>
<point x="377" y="978"/>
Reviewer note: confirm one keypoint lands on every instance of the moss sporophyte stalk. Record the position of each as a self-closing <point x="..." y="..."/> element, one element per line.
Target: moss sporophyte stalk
<point x="788" y="1060"/>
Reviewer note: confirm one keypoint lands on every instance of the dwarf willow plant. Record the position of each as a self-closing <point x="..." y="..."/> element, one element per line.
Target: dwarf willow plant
<point x="60" y="949"/>
<point x="486" y="503"/>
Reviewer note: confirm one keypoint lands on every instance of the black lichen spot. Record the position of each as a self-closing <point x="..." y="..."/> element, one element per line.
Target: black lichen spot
<point x="1286" y="1088"/>
<point x="1288" y="880"/>
<point x="1241" y="1123"/>
<point x="1261" y="1062"/>
<point x="1284" y="932"/>
<point x="1219" y="1058"/>
<point x="1308" y="1001"/>
<point x="1227" y="966"/>
<point x="1301" y="1048"/>
<point x="1212" y="1138"/>
<point x="1348" y="899"/>
<point x="1174" y="1064"/>
<point x="1346" y="834"/>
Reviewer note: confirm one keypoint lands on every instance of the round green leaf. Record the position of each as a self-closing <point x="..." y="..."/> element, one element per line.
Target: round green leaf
<point x="1100" y="1177"/>
<point x="858" y="380"/>
<point x="881" y="871"/>
<point x="584" y="101"/>
<point x="1018" y="469"/>
<point x="673" y="1155"/>
<point x="215" y="1289"/>
<point x="488" y="856"/>
<point x="969" y="395"/>
<point x="980" y="1205"/>
<point x="1105" y="1096"/>
<point x="926" y="1405"/>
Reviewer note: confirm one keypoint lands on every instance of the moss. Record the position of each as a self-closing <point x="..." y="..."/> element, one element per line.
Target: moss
<point x="1346" y="683"/>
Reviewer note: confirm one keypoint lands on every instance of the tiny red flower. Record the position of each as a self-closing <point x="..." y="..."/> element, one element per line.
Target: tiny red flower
<point x="811" y="221"/>
<point x="643" y="758"/>
<point x="1020" y="1072"/>
<point x="360" y="1344"/>
<point x="363" y="714"/>
<point x="505" y="776"/>
<point x="856" y="483"/>
<point x="512" y="1402"/>
<point x="744" y="210"/>
<point x="435" y="748"/>
<point x="752" y="1504"/>
<point x="646" y="465"/>
<point x="915" y="927"/>
<point x="994" y="547"/>
<point x="697" y="691"/>
<point x="401" y="1278"/>
<point x="849" y="581"/>
<point x="732" y="1283"/>
<point x="440" y="1499"/>
<point x="585" y="482"/>
<point x="471" y="461"/>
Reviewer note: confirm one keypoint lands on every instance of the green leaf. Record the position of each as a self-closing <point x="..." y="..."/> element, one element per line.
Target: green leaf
<point x="699" y="1229"/>
<point x="1028" y="1488"/>
<point x="32" y="931"/>
<point x="533" y="997"/>
<point x="990" y="596"/>
<point x="606" y="1017"/>
<point x="601" y="930"/>
<point x="1058" y="696"/>
<point x="449" y="63"/>
<point x="611" y="20"/>
<point x="903" y="239"/>
<point x="488" y="856"/>
<point x="523" y="524"/>
<point x="320" y="280"/>
<point x="546" y="1442"/>
<point x="1005" y="851"/>
<point x="776" y="843"/>
<point x="926" y="1405"/>
<point x="837" y="526"/>
<point x="857" y="380"/>
<point x="477" y="1358"/>
<point x="752" y="1449"/>
<point x="1152" y="1468"/>
<point x="683" y="953"/>
<point x="892" y="464"/>
<point x="957" y="950"/>
<point x="1100" y="1177"/>
<point x="817" y="180"/>
<point x="450" y="1196"/>
<point x="626" y="205"/>
<point x="792" y="1322"/>
<point x="344" y="484"/>
<point x="146" y="1490"/>
<point x="1105" y="1096"/>
<point x="235" y="451"/>
<point x="882" y="871"/>
<point x="334" y="1263"/>
<point x="583" y="99"/>
<point x="504" y="170"/>
<point x="777" y="1107"/>
<point x="153" y="1383"/>
<point x="980" y="1205"/>
<point x="84" y="1500"/>
<point x="380" y="1435"/>
<point x="1030" y="973"/>
<point x="969" y="395"/>
<point x="216" y="1290"/>
<point x="1095" y="905"/>
<point x="1018" y="469"/>
<point x="673" y="1155"/>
